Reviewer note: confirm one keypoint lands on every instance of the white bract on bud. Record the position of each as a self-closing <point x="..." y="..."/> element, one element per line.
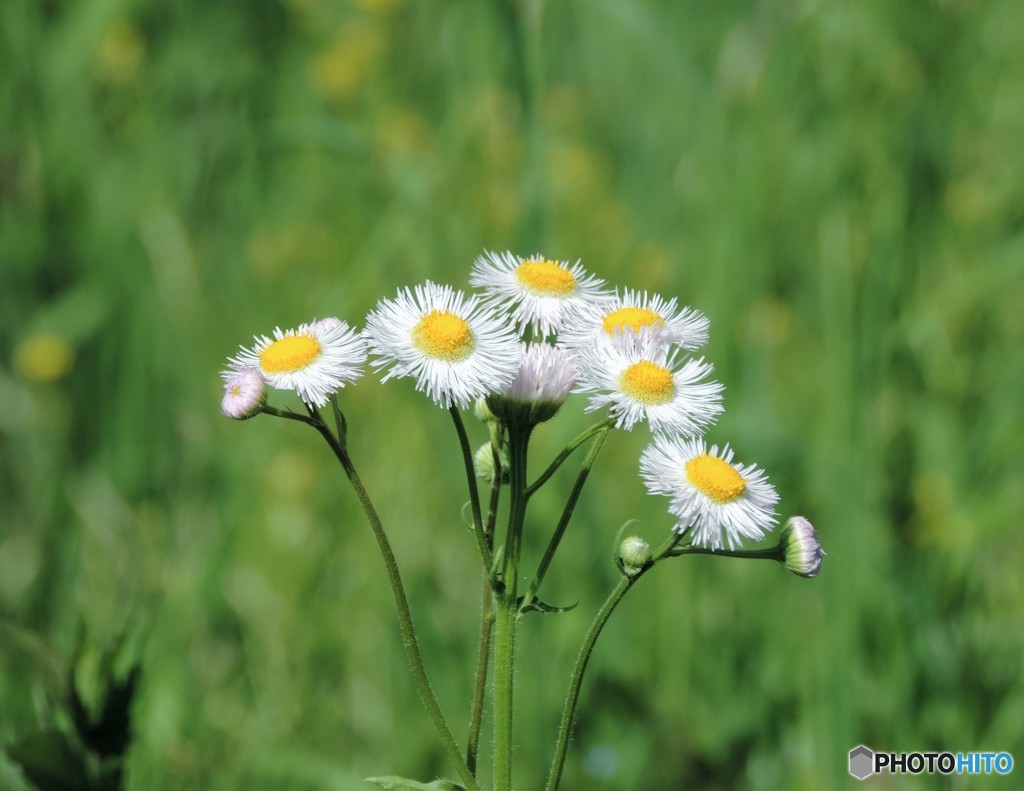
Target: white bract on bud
<point x="546" y="375"/>
<point x="803" y="551"/>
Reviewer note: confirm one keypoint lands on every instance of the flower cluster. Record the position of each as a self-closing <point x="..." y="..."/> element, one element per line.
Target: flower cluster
<point x="538" y="330"/>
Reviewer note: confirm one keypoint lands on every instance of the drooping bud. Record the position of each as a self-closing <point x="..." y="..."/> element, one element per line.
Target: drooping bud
<point x="801" y="548"/>
<point x="245" y="395"/>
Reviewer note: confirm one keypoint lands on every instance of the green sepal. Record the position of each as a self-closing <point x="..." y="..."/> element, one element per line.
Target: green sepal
<point x="339" y="421"/>
<point x="536" y="605"/>
<point x="392" y="783"/>
<point x="497" y="583"/>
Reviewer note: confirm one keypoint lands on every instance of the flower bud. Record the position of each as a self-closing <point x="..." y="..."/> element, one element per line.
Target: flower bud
<point x="545" y="377"/>
<point x="801" y="547"/>
<point x="326" y="324"/>
<point x="483" y="463"/>
<point x="483" y="412"/>
<point x="634" y="553"/>
<point x="245" y="395"/>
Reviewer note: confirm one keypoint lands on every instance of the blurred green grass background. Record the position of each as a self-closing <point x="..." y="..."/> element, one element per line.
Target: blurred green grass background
<point x="839" y="186"/>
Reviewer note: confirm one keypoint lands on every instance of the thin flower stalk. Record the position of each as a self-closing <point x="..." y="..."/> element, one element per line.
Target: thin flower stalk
<point x="602" y="425"/>
<point x="474" y="492"/>
<point x="486" y="621"/>
<point x="570" y="506"/>
<point x="772" y="553"/>
<point x="405" y="623"/>
<point x="626" y="581"/>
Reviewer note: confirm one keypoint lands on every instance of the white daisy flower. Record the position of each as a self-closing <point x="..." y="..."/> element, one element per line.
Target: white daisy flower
<point x="245" y="393"/>
<point x="633" y="311"/>
<point x="718" y="500"/>
<point x="456" y="348"/>
<point x="315" y="360"/>
<point x="537" y="292"/>
<point x="641" y="378"/>
<point x="544" y="378"/>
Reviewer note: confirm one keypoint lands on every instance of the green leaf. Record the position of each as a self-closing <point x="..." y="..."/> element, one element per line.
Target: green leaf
<point x="538" y="606"/>
<point x="50" y="763"/>
<point x="110" y="735"/>
<point x="392" y="783"/>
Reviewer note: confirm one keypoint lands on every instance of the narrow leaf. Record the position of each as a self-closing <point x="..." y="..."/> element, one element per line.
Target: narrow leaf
<point x="392" y="783"/>
<point x="539" y="606"/>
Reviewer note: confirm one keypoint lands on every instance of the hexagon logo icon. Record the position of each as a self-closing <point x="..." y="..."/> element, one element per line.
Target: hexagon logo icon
<point x="862" y="762"/>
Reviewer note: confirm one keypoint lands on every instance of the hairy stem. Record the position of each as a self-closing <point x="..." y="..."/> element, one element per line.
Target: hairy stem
<point x="576" y="680"/>
<point x="405" y="623"/>
<point x="508" y="611"/>
<point x="583" y="659"/>
<point x="486" y="626"/>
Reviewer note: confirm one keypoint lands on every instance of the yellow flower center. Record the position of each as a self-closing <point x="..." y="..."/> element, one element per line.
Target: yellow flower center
<point x="631" y="318"/>
<point x="236" y="391"/>
<point x="648" y="382"/>
<point x="290" y="354"/>
<point x="443" y="335"/>
<point x="717" y="478"/>
<point x="546" y="278"/>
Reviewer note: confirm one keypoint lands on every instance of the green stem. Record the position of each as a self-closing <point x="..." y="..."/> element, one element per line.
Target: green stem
<point x="570" y="505"/>
<point x="508" y="610"/>
<point x="504" y="647"/>
<point x="604" y="425"/>
<point x="288" y="414"/>
<point x="777" y="552"/>
<point x="518" y="440"/>
<point x="576" y="680"/>
<point x="483" y="658"/>
<point x="405" y="623"/>
<point x="486" y="627"/>
<point x="474" y="493"/>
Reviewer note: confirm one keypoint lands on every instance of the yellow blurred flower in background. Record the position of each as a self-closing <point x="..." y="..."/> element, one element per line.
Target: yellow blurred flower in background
<point x="44" y="357"/>
<point x="968" y="200"/>
<point x="275" y="249"/>
<point x="377" y="6"/>
<point x="401" y="132"/>
<point x="121" y="52"/>
<point x="575" y="170"/>
<point x="340" y="71"/>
